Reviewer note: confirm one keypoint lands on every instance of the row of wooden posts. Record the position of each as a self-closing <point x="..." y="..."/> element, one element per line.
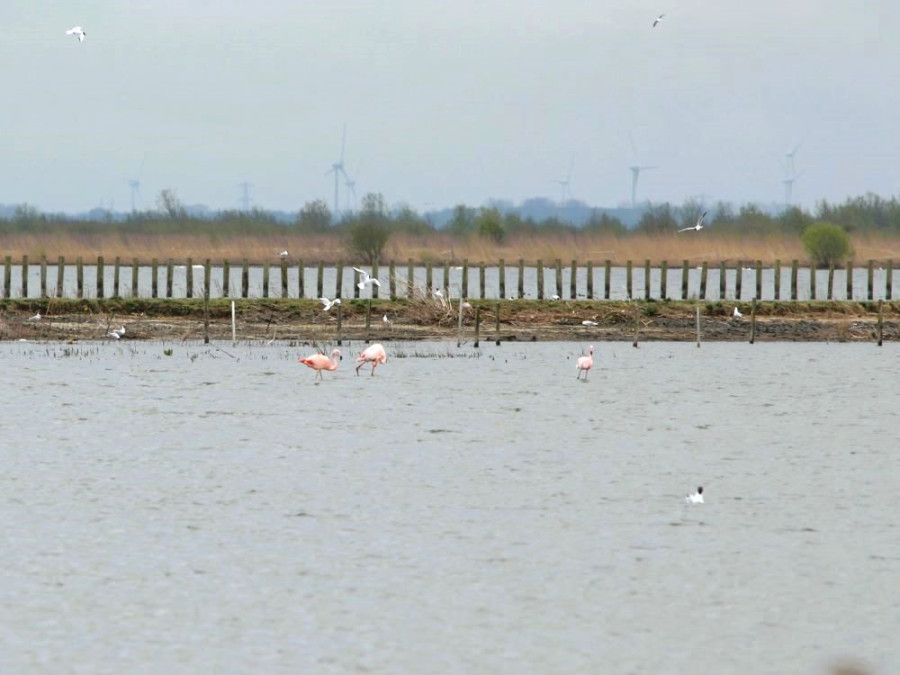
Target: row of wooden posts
<point x="430" y="268"/>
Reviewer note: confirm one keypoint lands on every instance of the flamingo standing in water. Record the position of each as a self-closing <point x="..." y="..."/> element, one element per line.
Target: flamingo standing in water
<point x="374" y="354"/>
<point x="584" y="364"/>
<point x="320" y="362"/>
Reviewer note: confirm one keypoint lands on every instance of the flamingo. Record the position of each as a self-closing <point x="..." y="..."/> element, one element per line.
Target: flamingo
<point x="320" y="362"/>
<point x="584" y="364"/>
<point x="373" y="353"/>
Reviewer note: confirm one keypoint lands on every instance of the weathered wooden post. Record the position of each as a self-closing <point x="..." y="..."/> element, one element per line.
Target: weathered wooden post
<point x="628" y="281"/>
<point x="607" y="278"/>
<point x="429" y="280"/>
<point x="646" y="280"/>
<point x="101" y="272"/>
<point x="189" y="276"/>
<point x="410" y="278"/>
<point x="812" y="281"/>
<point x="226" y="278"/>
<point x="664" y="280"/>
<point x="116" y="278"/>
<point x="497" y="325"/>
<point x="207" y="277"/>
<point x="206" y="304"/>
<point x="502" y="279"/>
<point x="521" y="281"/>
<point x="392" y="280"/>
<point x="777" y="279"/>
<point x="340" y="320"/>
<point x="738" y="281"/>
<point x="880" y="321"/>
<point x="889" y="280"/>
<point x="590" y="280"/>
<point x="704" y="269"/>
<point x="477" y="326"/>
<point x="135" y="271"/>
<point x="753" y="322"/>
<point x="637" y="325"/>
<point x="871" y="280"/>
<point x="573" y="281"/>
<point x="7" y="276"/>
<point x="284" y="278"/>
<point x="540" y="280"/>
<point x="170" y="277"/>
<point x="481" y="280"/>
<point x="320" y="280"/>
<point x="697" y="314"/>
<point x="339" y="280"/>
<point x="723" y="280"/>
<point x="245" y="278"/>
<point x="301" y="279"/>
<point x="24" y="276"/>
<point x="44" y="276"/>
<point x="464" y="285"/>
<point x="559" y="283"/>
<point x="759" y="272"/>
<point x="459" y="329"/>
<point x="849" y="280"/>
<point x="447" y="279"/>
<point x="265" y="291"/>
<point x="794" y="265"/>
<point x="79" y="278"/>
<point x="684" y="279"/>
<point x="368" y="319"/>
<point x="831" y="281"/>
<point x="60" y="276"/>
<point x="375" y="288"/>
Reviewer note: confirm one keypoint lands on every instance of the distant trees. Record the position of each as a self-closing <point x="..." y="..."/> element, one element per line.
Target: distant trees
<point x="657" y="219"/>
<point x="314" y="217"/>
<point x="826" y="243"/>
<point x="170" y="205"/>
<point x="368" y="233"/>
<point x="489" y="224"/>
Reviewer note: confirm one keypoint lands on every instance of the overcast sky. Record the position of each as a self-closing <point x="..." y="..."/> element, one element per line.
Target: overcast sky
<point x="447" y="102"/>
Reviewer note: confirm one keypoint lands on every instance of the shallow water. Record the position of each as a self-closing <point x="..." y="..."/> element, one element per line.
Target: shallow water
<point x="219" y="511"/>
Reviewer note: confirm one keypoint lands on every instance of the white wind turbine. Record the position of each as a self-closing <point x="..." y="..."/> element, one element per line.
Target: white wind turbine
<point x="636" y="169"/>
<point x="565" y="193"/>
<point x="790" y="174"/>
<point x="135" y="184"/>
<point x="338" y="170"/>
<point x="350" y="184"/>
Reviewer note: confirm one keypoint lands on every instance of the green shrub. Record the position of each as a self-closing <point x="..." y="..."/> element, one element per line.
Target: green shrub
<point x="826" y="244"/>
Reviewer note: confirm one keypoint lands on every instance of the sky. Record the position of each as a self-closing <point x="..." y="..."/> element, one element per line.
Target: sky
<point x="447" y="102"/>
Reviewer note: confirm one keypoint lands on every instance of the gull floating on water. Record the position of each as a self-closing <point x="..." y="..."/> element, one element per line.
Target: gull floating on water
<point x="657" y="20"/>
<point x="698" y="226"/>
<point x="77" y="32"/>
<point x="366" y="279"/>
<point x="737" y="314"/>
<point x="36" y="317"/>
<point x="696" y="498"/>
<point x="328" y="304"/>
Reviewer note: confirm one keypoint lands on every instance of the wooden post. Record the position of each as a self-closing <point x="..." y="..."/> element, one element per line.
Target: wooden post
<point x="502" y="279"/>
<point x="464" y="285"/>
<point x="374" y="287"/>
<point x="189" y="278"/>
<point x="637" y="325"/>
<point x="664" y="280"/>
<point x="831" y="281"/>
<point x="573" y="281"/>
<point x="60" y="276"/>
<point x="812" y="281"/>
<point x="521" y="282"/>
<point x="880" y="321"/>
<point x="684" y="279"/>
<point x="697" y="313"/>
<point x="447" y="280"/>
<point x="590" y="280"/>
<point x="116" y="278"/>
<point x="459" y="324"/>
<point x="7" y="276"/>
<point x="170" y="277"/>
<point x="889" y="280"/>
<point x="778" y="280"/>
<point x="135" y="272"/>
<point x="481" y="280"/>
<point x="320" y="280"/>
<point x="794" y="279"/>
<point x="340" y="321"/>
<point x="607" y="278"/>
<point x="429" y="280"/>
<point x="849" y="280"/>
<point x="871" y="280"/>
<point x="44" y="276"/>
<point x="206" y="304"/>
<point x="647" y="279"/>
<point x="301" y="279"/>
<point x="703" y="273"/>
<point x="410" y="278"/>
<point x="540" y="280"/>
<point x="477" y="326"/>
<point x="24" y="276"/>
<point x="497" y="325"/>
<point x="284" y="278"/>
<point x="628" y="281"/>
<point x="207" y="278"/>
<point x="723" y="280"/>
<point x="753" y="322"/>
<point x="759" y="272"/>
<point x="245" y="278"/>
<point x="79" y="278"/>
<point x="226" y="274"/>
<point x="339" y="279"/>
<point x="738" y="281"/>
<point x="265" y="291"/>
<point x="559" y="283"/>
<point x="101" y="272"/>
<point x="368" y="318"/>
<point x="392" y="280"/>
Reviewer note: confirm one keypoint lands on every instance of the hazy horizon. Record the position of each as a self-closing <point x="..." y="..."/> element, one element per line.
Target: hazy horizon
<point x="446" y="104"/>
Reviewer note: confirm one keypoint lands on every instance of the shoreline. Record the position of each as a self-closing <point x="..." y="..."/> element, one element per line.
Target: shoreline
<point x="303" y="321"/>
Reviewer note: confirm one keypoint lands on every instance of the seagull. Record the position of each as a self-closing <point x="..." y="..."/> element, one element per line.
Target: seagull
<point x="737" y="314"/>
<point x="696" y="498"/>
<point x="554" y="297"/>
<point x="588" y="322"/>
<point x="698" y="226"/>
<point x="366" y="279"/>
<point x="77" y="32"/>
<point x="283" y="254"/>
<point x="436" y="292"/>
<point x="328" y="304"/>
<point x="113" y="335"/>
<point x="118" y="332"/>
<point x="35" y="318"/>
<point x="386" y="321"/>
<point x="657" y="20"/>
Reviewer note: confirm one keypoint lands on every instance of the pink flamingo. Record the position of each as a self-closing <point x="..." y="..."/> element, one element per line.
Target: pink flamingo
<point x="584" y="364"/>
<point x="320" y="362"/>
<point x="375" y="354"/>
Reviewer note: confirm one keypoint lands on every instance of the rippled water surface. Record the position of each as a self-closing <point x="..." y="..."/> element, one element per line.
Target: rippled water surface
<point x="219" y="512"/>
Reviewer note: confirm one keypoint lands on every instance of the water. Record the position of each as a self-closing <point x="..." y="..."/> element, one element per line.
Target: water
<point x="203" y="513"/>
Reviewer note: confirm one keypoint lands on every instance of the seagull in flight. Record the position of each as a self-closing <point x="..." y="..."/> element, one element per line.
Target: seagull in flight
<point x="77" y="32"/>
<point x="657" y="20"/>
<point x="698" y="226"/>
<point x="696" y="498"/>
<point x="328" y="304"/>
<point x="366" y="279"/>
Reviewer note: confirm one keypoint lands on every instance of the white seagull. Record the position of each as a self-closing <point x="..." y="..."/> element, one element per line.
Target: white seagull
<point x="366" y="279"/>
<point x="113" y="335"/>
<point x="77" y="32"/>
<point x="588" y="322"/>
<point x="696" y="498"/>
<point x="35" y="318"/>
<point x="118" y="332"/>
<point x="737" y="314"/>
<point x="386" y="321"/>
<point x="698" y="226"/>
<point x="283" y="254"/>
<point x="328" y="304"/>
<point x="554" y="297"/>
<point x="657" y="20"/>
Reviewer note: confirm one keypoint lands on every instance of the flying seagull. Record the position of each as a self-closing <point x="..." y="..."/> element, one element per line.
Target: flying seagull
<point x="657" y="20"/>
<point x="366" y="279"/>
<point x="698" y="226"/>
<point x="77" y="32"/>
<point x="328" y="304"/>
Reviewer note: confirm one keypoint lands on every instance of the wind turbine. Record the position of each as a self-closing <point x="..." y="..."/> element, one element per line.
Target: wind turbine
<point x="245" y="195"/>
<point x="564" y="184"/>
<point x="338" y="170"/>
<point x="350" y="184"/>
<point x="135" y="184"/>
<point x="636" y="169"/>
<point x="790" y="174"/>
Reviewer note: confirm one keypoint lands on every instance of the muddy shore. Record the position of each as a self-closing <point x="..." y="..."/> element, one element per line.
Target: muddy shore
<point x="520" y="320"/>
